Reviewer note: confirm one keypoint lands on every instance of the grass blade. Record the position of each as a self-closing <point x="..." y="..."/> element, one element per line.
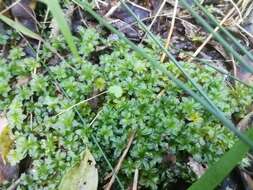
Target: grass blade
<point x="217" y="36"/>
<point x="214" y="20"/>
<point x="20" y="28"/>
<point x="219" y="170"/>
<point x="58" y="15"/>
<point x="155" y="64"/>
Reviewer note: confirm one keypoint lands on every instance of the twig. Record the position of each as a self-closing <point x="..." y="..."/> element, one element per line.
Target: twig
<point x="14" y="184"/>
<point x="155" y="17"/>
<point x="171" y="29"/>
<point x="245" y="31"/>
<point x="136" y="176"/>
<point x="118" y="166"/>
<point x="112" y="10"/>
<point x="79" y="103"/>
<point x="95" y="118"/>
<point x="237" y="9"/>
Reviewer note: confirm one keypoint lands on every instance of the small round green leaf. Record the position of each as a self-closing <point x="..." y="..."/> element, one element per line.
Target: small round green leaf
<point x="116" y="91"/>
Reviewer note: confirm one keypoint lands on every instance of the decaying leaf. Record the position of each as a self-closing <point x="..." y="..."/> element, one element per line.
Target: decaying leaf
<point x="83" y="176"/>
<point x="5" y="139"/>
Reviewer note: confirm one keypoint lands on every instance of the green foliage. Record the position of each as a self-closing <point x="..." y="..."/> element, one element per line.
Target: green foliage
<point x="166" y="120"/>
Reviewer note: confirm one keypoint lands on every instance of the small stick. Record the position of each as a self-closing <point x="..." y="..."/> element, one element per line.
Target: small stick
<point x="79" y="103"/>
<point x="171" y="30"/>
<point x="155" y="17"/>
<point x="118" y="166"/>
<point x="136" y="176"/>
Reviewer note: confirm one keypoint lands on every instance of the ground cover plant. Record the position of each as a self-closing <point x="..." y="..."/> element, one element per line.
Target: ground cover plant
<point x="119" y="96"/>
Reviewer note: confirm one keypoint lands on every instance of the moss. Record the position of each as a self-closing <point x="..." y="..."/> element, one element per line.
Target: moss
<point x="166" y="120"/>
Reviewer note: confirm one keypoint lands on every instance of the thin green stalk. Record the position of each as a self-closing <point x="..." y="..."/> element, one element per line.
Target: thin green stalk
<point x="59" y="17"/>
<point x="198" y="87"/>
<point x="206" y="62"/>
<point x="214" y="20"/>
<point x="225" y="73"/>
<point x="219" y="170"/>
<point x="216" y="35"/>
<point x="154" y="63"/>
<point x="154" y="38"/>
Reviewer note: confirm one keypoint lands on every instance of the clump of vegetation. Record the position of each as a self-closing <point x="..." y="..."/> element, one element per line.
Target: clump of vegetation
<point x="136" y="98"/>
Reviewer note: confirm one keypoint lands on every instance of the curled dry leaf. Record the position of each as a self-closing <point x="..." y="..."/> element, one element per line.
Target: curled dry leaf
<point x="83" y="176"/>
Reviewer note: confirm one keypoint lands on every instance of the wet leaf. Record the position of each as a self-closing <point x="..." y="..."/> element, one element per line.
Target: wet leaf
<point x="83" y="176"/>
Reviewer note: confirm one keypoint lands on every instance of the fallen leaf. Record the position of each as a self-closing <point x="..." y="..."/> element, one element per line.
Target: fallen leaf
<point x="83" y="176"/>
<point x="5" y="139"/>
<point x="127" y="29"/>
<point x="122" y="13"/>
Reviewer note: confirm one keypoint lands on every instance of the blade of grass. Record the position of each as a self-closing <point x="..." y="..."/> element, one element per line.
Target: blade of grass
<point x="214" y="20"/>
<point x="217" y="36"/>
<point x="59" y="17"/>
<point x="20" y="28"/>
<point x="154" y="63"/>
<point x="221" y="115"/>
<point x="178" y="64"/>
<point x="219" y="170"/>
<point x="207" y="62"/>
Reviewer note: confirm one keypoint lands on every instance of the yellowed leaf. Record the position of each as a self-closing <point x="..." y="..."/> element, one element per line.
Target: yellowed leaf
<point x="5" y="138"/>
<point x="83" y="176"/>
